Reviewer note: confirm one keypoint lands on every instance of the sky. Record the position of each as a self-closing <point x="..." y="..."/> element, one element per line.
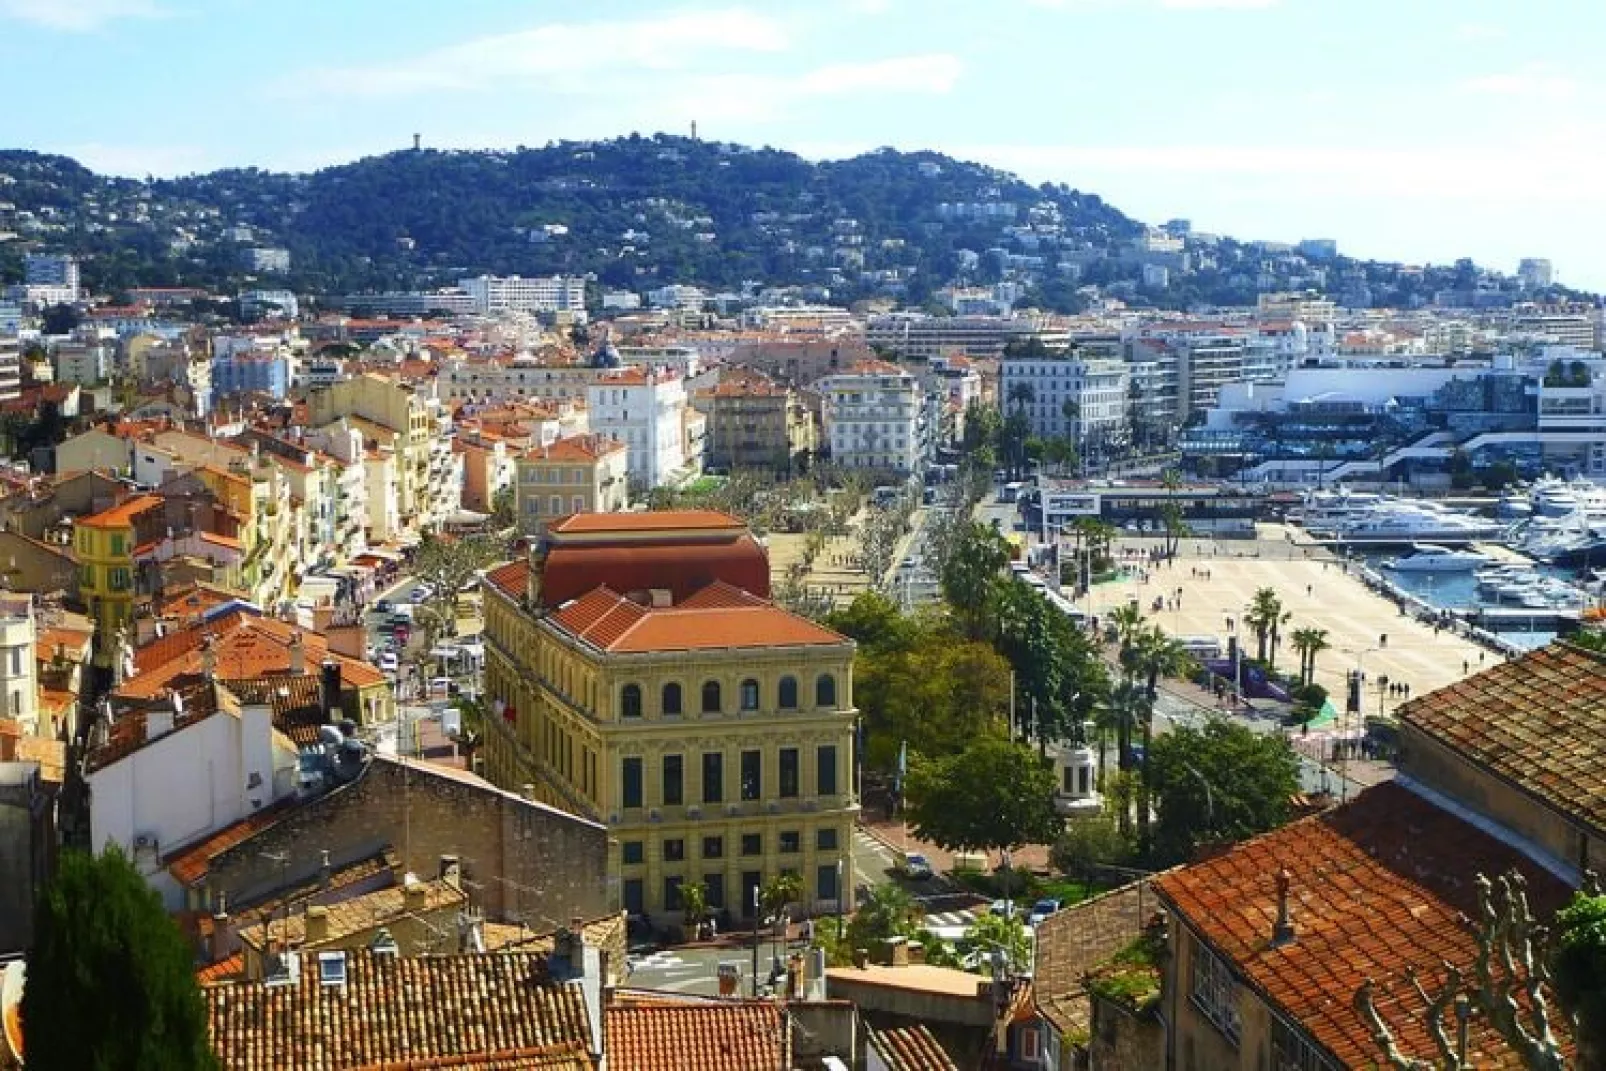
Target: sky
<point x="1411" y="130"/>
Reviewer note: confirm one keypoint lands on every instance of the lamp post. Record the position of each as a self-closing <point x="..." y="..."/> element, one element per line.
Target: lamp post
<point x="756" y="921"/>
<point x="840" y="894"/>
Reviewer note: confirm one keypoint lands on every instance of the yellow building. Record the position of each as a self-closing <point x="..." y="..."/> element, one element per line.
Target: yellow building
<point x="105" y="543"/>
<point x="580" y="474"/>
<point x="754" y="422"/>
<point x="639" y="676"/>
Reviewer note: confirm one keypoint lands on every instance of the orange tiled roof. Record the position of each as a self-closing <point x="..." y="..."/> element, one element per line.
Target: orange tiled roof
<point x="511" y="579"/>
<point x="190" y="863"/>
<point x="121" y="515"/>
<point x="224" y="970"/>
<point x="1377" y="887"/>
<point x="394" y="1011"/>
<point x="245" y="646"/>
<point x="356" y="915"/>
<point x="911" y="1048"/>
<point x="1534" y="722"/>
<point x="665" y="520"/>
<point x="575" y="448"/>
<point x="747" y="1035"/>
<point x="614" y="623"/>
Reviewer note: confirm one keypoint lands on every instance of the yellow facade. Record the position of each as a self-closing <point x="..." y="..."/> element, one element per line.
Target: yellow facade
<point x="105" y="544"/>
<point x="589" y="733"/>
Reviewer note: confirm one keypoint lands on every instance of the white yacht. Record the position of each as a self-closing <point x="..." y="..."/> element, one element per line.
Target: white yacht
<point x="1428" y="558"/>
<point x="1401" y="521"/>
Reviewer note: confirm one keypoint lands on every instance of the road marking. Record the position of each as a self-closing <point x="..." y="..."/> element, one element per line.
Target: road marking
<point x="660" y="961"/>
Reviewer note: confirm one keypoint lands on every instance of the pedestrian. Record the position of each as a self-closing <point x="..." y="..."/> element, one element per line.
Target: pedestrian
<point x="808" y="932"/>
<point x="1466" y="667"/>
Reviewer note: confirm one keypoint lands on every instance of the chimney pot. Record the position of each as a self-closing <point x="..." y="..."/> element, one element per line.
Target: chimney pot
<point x="1282" y="931"/>
<point x="317" y="924"/>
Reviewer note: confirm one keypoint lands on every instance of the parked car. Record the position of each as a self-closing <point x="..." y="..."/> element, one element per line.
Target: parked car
<point x="916" y="866"/>
<point x="421" y="592"/>
<point x="389" y="662"/>
<point x="1042" y="910"/>
<point x="382" y="606"/>
<point x="1004" y="909"/>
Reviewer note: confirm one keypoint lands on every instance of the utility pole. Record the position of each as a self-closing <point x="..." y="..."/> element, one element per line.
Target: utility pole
<point x="756" y="921"/>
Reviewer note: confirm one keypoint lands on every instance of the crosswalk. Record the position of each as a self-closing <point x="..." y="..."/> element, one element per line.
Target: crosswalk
<point x="865" y="844"/>
<point x="950" y="920"/>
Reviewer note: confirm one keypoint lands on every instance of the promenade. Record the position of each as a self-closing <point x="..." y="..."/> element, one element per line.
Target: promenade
<point x="1208" y="588"/>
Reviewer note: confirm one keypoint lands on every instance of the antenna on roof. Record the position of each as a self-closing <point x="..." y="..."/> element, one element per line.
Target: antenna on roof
<point x="418" y="141"/>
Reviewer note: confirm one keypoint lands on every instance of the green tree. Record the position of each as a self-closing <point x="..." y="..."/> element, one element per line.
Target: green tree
<point x="1090" y="843"/>
<point x="971" y="576"/>
<point x="1265" y="617"/>
<point x="1309" y="642"/>
<point x="781" y="889"/>
<point x="991" y="933"/>
<point x="111" y="980"/>
<point x="1579" y="972"/>
<point x="994" y="794"/>
<point x="693" y="904"/>
<point x="446" y="564"/>
<point x="502" y="508"/>
<point x="1221" y="783"/>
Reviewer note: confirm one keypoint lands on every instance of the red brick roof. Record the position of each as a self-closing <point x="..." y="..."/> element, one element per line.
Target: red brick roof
<point x="1536" y="722"/>
<point x="121" y="515"/>
<point x="511" y="579"/>
<point x="1378" y="886"/>
<point x="1072" y="942"/>
<point x="576" y="448"/>
<point x="191" y="863"/>
<point x="681" y="567"/>
<point x="614" y="623"/>
<point x="911" y="1048"/>
<point x="245" y="646"/>
<point x="667" y="520"/>
<point x="497" y="1010"/>
<point x="748" y="1035"/>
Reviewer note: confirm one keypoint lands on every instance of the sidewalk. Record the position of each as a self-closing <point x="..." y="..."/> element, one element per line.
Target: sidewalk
<point x="898" y="840"/>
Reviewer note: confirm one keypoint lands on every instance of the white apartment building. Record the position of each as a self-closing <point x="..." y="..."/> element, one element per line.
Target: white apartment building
<point x="872" y="414"/>
<point x="677" y="296"/>
<point x="52" y="271"/>
<point x="1068" y="396"/>
<point x="493" y="294"/>
<point x="19" y="679"/>
<point x="919" y="337"/>
<point x="270" y="260"/>
<point x="646" y="410"/>
<point x="1308" y="308"/>
<point x="10" y="367"/>
<point x="486" y="382"/>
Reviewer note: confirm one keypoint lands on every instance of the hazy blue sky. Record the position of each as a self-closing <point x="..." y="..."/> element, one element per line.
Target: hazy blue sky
<point x="1407" y="129"/>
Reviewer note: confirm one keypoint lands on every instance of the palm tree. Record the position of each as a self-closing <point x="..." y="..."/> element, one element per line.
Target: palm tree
<point x="1154" y="655"/>
<point x="1264" y="616"/>
<point x="1022" y="395"/>
<point x="1309" y="642"/>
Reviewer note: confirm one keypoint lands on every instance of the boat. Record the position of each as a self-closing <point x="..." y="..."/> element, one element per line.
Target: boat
<point x="1428" y="558"/>
<point x="1400" y="521"/>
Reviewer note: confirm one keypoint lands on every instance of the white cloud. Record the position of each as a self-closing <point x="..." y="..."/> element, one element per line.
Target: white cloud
<point x="77" y="15"/>
<point x="933" y="74"/>
<point x="561" y="55"/>
<point x="1531" y="82"/>
<point x="1480" y="31"/>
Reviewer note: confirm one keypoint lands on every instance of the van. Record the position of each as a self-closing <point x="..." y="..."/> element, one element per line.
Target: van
<point x="1203" y="648"/>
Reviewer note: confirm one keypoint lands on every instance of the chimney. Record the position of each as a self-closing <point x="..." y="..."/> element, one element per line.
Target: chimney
<point x="298" y="655"/>
<point x="527" y="790"/>
<point x="896" y="950"/>
<point x="317" y="924"/>
<point x="159" y="719"/>
<point x="329" y="690"/>
<point x="414" y="895"/>
<point x="222" y="935"/>
<point x="208" y="659"/>
<point x="451" y="871"/>
<point x="1282" y="931"/>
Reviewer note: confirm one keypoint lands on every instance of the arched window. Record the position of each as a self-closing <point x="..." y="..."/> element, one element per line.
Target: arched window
<point x="750" y="694"/>
<point x="630" y="701"/>
<point x="788" y="694"/>
<point x="825" y="691"/>
<point x="711" y="697"/>
<point x="672" y="698"/>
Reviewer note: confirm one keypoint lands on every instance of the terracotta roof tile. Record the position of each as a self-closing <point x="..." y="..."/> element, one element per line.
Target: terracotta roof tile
<point x="121" y="515"/>
<point x="1378" y="886"/>
<point x="191" y="863"/>
<point x="499" y="1010"/>
<point x="612" y="622"/>
<point x="356" y="915"/>
<point x="652" y="521"/>
<point x="511" y="579"/>
<point x="911" y="1048"/>
<point x="245" y="646"/>
<point x="577" y="449"/>
<point x="1536" y="722"/>
<point x="728" y="1036"/>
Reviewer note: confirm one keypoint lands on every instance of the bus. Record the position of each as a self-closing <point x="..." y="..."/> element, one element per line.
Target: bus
<point x="1202" y="648"/>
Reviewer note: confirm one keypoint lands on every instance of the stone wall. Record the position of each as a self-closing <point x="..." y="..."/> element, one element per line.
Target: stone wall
<point x="1120" y="1040"/>
<point x="521" y="861"/>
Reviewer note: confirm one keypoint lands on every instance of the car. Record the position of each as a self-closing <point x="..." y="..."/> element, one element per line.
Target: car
<point x="442" y="686"/>
<point x="389" y="662"/>
<point x="1042" y="910"/>
<point x="916" y="866"/>
<point x="421" y="592"/>
<point x="1004" y="909"/>
<point x="382" y="606"/>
